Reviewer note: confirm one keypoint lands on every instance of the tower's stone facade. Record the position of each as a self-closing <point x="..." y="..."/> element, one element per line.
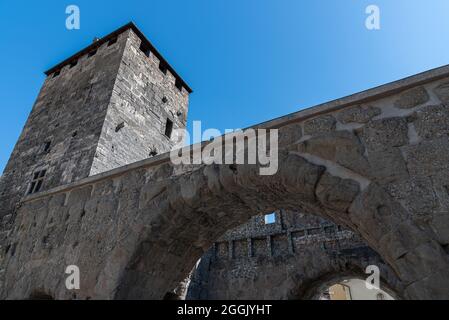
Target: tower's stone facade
<point x="111" y="104"/>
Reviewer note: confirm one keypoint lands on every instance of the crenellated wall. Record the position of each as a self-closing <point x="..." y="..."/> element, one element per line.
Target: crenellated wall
<point x="287" y="259"/>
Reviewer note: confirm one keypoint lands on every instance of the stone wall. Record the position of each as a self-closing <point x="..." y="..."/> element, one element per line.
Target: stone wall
<point x="68" y="114"/>
<point x="142" y="100"/>
<point x="287" y="259"/>
<point x="62" y="131"/>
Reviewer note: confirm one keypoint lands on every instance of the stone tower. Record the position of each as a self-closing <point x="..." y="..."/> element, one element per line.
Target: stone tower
<point x="113" y="103"/>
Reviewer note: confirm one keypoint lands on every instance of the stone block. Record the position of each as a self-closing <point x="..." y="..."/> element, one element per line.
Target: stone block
<point x="289" y="134"/>
<point x="385" y="133"/>
<point x="427" y="158"/>
<point x="326" y="123"/>
<point x="336" y="193"/>
<point x="432" y="122"/>
<point x="440" y="225"/>
<point x="341" y="147"/>
<point x="386" y="165"/>
<point x="442" y="92"/>
<point x="412" y="98"/>
<point x="416" y="194"/>
<point x="360" y="114"/>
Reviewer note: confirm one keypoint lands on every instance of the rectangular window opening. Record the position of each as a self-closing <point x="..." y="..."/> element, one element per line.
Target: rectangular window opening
<point x="47" y="146"/>
<point x="37" y="181"/>
<point x="270" y="218"/>
<point x="168" y="128"/>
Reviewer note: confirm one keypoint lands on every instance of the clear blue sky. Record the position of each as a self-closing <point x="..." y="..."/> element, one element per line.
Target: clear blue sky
<point x="247" y="60"/>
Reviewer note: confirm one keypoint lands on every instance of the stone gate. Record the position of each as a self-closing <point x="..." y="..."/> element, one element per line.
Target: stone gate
<point x="375" y="162"/>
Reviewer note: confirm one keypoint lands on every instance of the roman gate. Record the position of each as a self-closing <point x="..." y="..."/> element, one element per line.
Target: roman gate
<point x="375" y="162"/>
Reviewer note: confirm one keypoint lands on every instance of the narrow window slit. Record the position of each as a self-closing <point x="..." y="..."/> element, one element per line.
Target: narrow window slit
<point x="168" y="128"/>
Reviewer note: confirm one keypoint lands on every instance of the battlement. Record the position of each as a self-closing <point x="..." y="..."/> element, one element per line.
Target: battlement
<point x="146" y="46"/>
<point x="290" y="233"/>
<point x="287" y="242"/>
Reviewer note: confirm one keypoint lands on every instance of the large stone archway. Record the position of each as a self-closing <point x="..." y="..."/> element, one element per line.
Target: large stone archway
<point x="302" y="275"/>
<point x="290" y="256"/>
<point x="137" y="231"/>
<point x="224" y="198"/>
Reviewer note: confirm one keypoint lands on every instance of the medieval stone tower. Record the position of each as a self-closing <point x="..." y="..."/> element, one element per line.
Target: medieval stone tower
<point x="111" y="104"/>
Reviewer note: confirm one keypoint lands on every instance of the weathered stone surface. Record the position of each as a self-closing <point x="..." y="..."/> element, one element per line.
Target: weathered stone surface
<point x="360" y="114"/>
<point x="386" y="166"/>
<point x="440" y="183"/>
<point x="440" y="225"/>
<point x="375" y="214"/>
<point x="432" y="122"/>
<point x="428" y="157"/>
<point x="290" y="134"/>
<point x="325" y="123"/>
<point x="415" y="263"/>
<point x="342" y="147"/>
<point x="385" y="133"/>
<point x="336" y="193"/>
<point x="442" y="92"/>
<point x="415" y="194"/>
<point x="412" y="98"/>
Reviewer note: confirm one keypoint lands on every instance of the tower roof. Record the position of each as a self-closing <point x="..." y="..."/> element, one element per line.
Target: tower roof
<point x="112" y="35"/>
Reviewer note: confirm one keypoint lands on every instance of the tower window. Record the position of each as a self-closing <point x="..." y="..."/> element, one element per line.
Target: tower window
<point x="92" y="53"/>
<point x="36" y="182"/>
<point x="270" y="218"/>
<point x="47" y="146"/>
<point x="119" y="127"/>
<point x="163" y="67"/>
<point x="146" y="50"/>
<point x="168" y="128"/>
<point x="112" y="41"/>
<point x="153" y="151"/>
<point x="178" y="84"/>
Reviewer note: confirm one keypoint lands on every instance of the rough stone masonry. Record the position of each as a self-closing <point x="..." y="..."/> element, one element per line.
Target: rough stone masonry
<point x="296" y="256"/>
<point x="90" y="182"/>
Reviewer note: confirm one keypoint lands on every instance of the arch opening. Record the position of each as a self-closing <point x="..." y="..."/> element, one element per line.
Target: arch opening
<point x="205" y="203"/>
<point x="350" y="287"/>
